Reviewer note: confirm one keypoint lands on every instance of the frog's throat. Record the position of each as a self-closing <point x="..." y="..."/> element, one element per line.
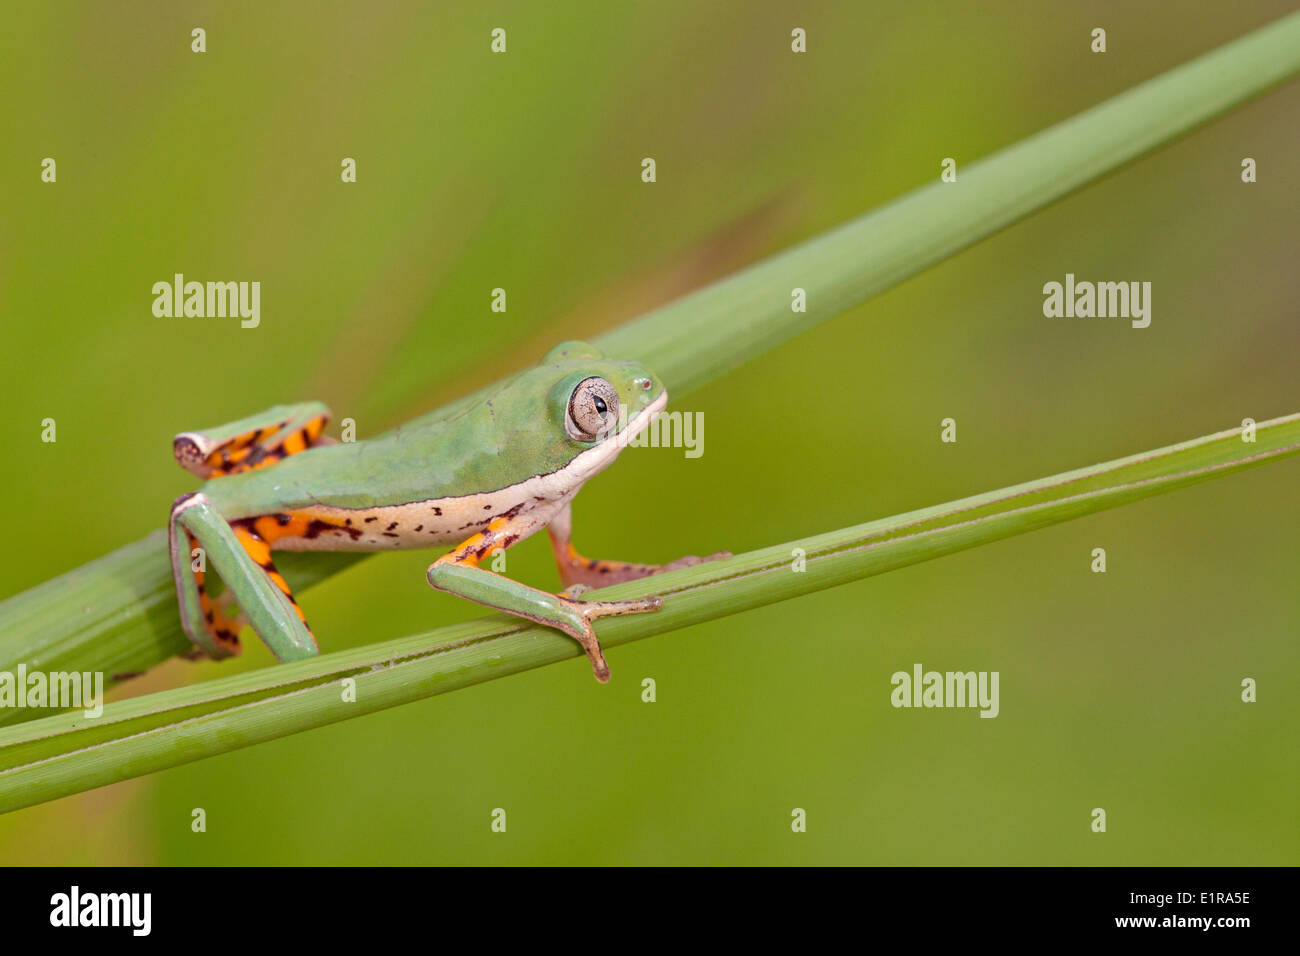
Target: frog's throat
<point x="595" y="460"/>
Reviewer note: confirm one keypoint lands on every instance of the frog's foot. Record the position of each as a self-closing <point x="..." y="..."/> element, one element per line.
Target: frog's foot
<point x="590" y="611"/>
<point x="459" y="572"/>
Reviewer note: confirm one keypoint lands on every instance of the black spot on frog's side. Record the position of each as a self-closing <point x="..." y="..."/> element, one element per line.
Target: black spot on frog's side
<point x="508" y="513"/>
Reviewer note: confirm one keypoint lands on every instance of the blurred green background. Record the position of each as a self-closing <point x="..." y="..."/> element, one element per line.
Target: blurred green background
<point x="523" y="171"/>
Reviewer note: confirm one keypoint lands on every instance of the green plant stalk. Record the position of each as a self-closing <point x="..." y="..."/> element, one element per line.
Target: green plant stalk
<point x="117" y="615"/>
<point x="67" y="753"/>
<point x="699" y="337"/>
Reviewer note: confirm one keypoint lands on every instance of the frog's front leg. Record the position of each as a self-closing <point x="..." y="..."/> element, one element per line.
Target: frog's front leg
<point x="458" y="572"/>
<point x="576" y="569"/>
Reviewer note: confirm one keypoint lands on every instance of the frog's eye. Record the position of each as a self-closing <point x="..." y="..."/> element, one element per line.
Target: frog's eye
<point x="593" y="409"/>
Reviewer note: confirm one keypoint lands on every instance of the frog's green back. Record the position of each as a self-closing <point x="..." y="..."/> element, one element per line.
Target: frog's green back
<point x="507" y="435"/>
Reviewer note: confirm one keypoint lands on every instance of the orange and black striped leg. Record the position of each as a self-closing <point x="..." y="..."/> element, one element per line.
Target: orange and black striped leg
<point x="254" y="442"/>
<point x="458" y="573"/>
<point x="242" y="558"/>
<point x="579" y="572"/>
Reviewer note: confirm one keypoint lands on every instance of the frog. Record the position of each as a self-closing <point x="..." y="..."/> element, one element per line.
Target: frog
<point x="472" y="480"/>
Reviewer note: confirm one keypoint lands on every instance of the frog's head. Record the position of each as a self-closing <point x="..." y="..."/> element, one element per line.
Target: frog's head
<point x="572" y="412"/>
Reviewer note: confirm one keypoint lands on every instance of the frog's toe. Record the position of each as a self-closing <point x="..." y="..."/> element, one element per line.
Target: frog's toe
<point x="590" y="646"/>
<point x="591" y="610"/>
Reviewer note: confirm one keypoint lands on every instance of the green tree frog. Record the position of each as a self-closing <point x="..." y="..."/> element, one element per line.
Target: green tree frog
<point x="479" y="479"/>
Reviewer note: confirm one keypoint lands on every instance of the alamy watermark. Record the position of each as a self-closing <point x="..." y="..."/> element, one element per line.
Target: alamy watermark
<point x="667" y="430"/>
<point x="75" y="908"/>
<point x="59" y="690"/>
<point x="1086" y="300"/>
<point x="922" y="688"/>
<point x="212" y="300"/>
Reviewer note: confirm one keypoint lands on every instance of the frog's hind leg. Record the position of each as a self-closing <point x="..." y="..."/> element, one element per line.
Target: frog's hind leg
<point x="589" y="572"/>
<point x="458" y="572"/>
<point x="254" y="442"/>
<point x="256" y="541"/>
<point x="242" y="558"/>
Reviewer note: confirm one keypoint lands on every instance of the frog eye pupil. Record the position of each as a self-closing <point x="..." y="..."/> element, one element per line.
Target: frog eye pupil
<point x="601" y="407"/>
